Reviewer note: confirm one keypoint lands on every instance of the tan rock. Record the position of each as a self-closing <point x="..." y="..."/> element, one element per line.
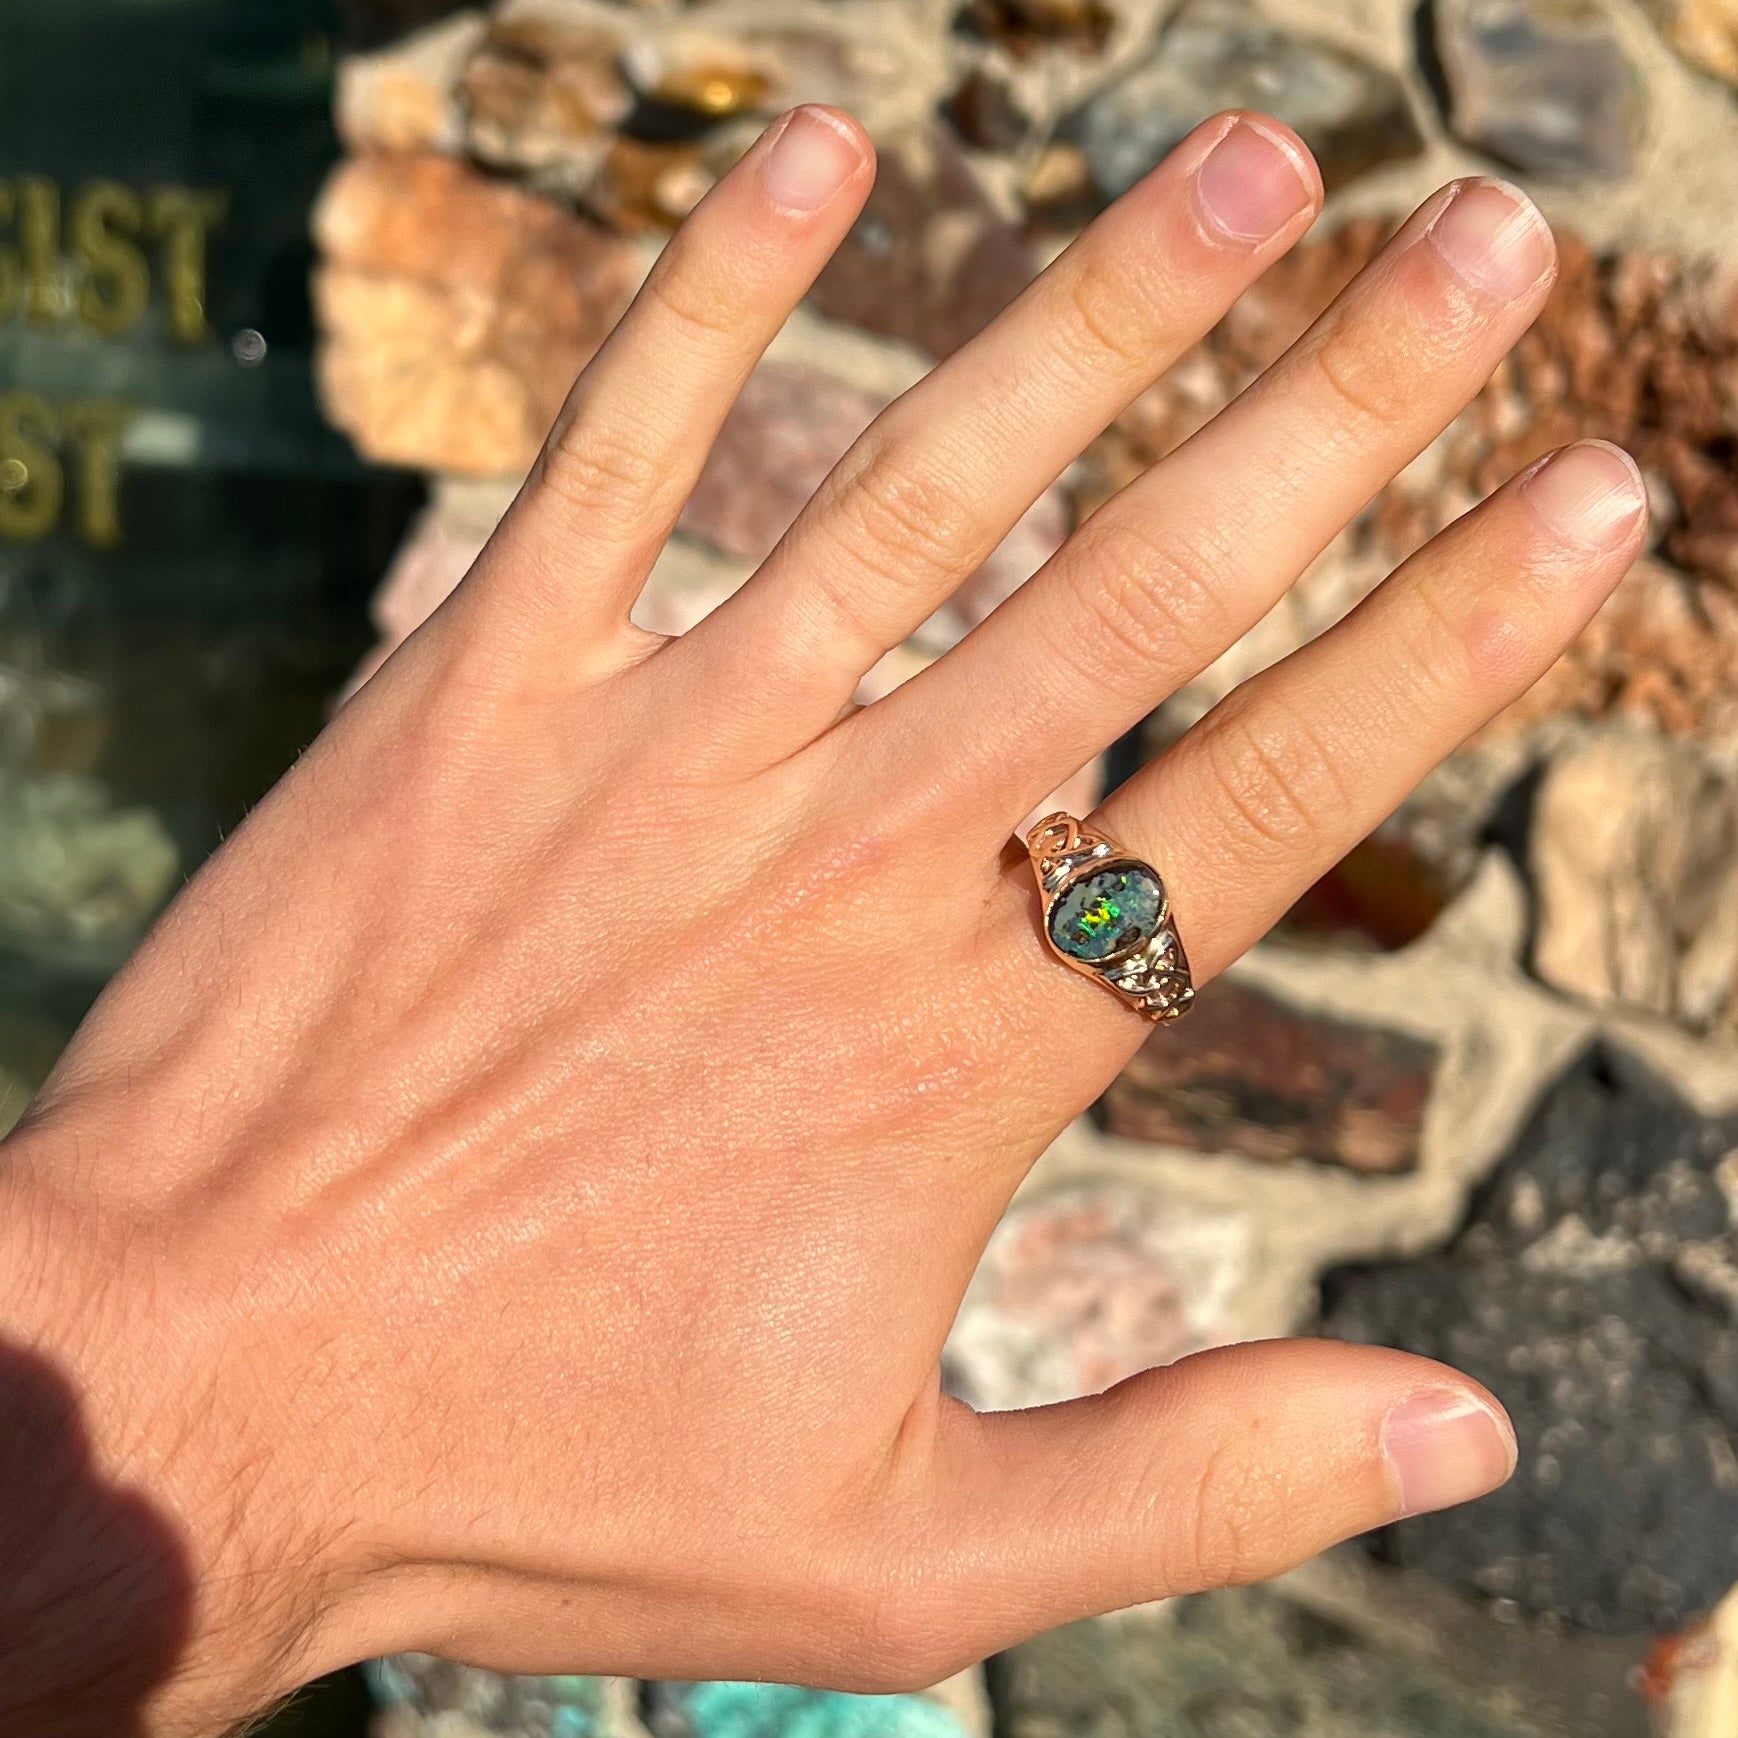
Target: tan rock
<point x="404" y="98"/>
<point x="549" y="87"/>
<point x="544" y="92"/>
<point x="742" y="58"/>
<point x="1704" y="32"/>
<point x="456" y="311"/>
<point x="1635" y="863"/>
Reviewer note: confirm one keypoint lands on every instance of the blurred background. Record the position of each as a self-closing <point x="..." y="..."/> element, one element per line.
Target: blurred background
<point x="290" y="291"/>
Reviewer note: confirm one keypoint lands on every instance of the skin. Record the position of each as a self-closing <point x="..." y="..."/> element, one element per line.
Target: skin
<point x="438" y="1240"/>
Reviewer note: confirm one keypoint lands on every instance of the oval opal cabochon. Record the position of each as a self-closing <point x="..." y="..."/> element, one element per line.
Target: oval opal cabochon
<point x="1108" y="913"/>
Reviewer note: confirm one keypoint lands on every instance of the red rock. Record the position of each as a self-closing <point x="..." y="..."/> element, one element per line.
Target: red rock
<point x="1382" y="894"/>
<point x="788" y="429"/>
<point x="931" y="260"/>
<point x="1250" y="1074"/>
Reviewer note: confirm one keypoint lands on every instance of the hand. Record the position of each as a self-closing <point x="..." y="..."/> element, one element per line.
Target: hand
<point x="514" y="1202"/>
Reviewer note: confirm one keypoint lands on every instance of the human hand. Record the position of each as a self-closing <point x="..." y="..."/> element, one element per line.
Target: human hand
<point x="513" y="1204"/>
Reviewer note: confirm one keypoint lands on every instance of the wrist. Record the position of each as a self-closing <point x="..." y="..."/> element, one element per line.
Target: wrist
<point x="152" y="1585"/>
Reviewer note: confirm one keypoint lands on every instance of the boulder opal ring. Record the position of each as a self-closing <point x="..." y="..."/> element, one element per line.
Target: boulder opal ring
<point x="1107" y="915"/>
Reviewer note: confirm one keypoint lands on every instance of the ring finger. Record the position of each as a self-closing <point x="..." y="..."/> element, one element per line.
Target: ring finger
<point x="1290" y="771"/>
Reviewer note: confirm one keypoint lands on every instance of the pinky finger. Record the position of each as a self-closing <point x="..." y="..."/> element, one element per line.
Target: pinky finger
<point x="1300" y="763"/>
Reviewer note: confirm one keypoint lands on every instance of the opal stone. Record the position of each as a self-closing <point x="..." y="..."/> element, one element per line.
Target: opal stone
<point x="1108" y="914"/>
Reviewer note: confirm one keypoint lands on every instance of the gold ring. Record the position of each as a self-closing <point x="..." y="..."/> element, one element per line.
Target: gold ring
<point x="1108" y="916"/>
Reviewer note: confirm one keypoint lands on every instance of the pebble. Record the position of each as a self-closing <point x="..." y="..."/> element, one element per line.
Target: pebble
<point x="544" y="96"/>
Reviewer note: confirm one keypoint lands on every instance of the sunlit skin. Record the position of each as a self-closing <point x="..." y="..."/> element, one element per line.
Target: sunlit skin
<point x="443" y="1269"/>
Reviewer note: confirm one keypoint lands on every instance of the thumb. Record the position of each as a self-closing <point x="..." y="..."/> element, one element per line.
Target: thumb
<point x="1225" y="1468"/>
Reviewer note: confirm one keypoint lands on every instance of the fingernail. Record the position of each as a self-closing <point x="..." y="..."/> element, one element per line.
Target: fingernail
<point x="1251" y="185"/>
<point x="1492" y="236"/>
<point x="1592" y="492"/>
<point x="1444" y="1447"/>
<point x="812" y="156"/>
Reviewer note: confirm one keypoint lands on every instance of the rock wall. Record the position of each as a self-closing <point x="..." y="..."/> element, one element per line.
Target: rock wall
<point x="1556" y="910"/>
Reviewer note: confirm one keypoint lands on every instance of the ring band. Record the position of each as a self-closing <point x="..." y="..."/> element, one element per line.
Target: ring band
<point x="1107" y="914"/>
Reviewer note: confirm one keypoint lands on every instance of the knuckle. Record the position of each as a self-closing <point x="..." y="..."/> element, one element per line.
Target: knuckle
<point x="1361" y="378"/>
<point x="1106" y="316"/>
<point x="1388" y="354"/>
<point x="897" y="1638"/>
<point x="904" y="523"/>
<point x="690" y="298"/>
<point x="604" y="473"/>
<point x="1149" y="599"/>
<point x="1275" y="776"/>
<point x="1439" y="660"/>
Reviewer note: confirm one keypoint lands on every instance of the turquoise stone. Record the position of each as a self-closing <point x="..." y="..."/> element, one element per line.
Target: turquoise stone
<point x="773" y="1711"/>
<point x="1108" y="914"/>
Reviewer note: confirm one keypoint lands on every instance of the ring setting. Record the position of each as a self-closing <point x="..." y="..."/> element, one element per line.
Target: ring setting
<point x="1107" y="916"/>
